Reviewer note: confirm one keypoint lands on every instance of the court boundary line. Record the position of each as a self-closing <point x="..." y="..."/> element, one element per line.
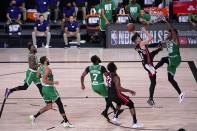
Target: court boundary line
<point x="2" y="62"/>
<point x="76" y="97"/>
<point x="191" y="64"/>
<point x="128" y="127"/>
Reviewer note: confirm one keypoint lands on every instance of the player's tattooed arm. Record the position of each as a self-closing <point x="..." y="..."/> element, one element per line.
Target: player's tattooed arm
<point x="32" y="63"/>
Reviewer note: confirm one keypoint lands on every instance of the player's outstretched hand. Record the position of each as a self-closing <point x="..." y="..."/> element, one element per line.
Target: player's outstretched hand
<point x="132" y="92"/>
<point x="143" y="29"/>
<point x="82" y="87"/>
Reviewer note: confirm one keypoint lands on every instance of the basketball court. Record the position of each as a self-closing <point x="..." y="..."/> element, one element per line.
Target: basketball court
<point x="83" y="108"/>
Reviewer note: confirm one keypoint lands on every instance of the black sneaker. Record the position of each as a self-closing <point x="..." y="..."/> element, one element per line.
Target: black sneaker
<point x="151" y="102"/>
<point x="105" y="115"/>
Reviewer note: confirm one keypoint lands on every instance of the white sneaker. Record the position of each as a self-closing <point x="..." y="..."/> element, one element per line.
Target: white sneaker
<point x="32" y="119"/>
<point x="46" y="46"/>
<point x="137" y="125"/>
<point x="181" y="97"/>
<point x="116" y="121"/>
<point x="67" y="125"/>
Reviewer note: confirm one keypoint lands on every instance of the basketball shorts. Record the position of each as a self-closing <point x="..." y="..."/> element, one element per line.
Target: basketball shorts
<point x="174" y="62"/>
<point x="49" y="93"/>
<point x="31" y="77"/>
<point x="100" y="89"/>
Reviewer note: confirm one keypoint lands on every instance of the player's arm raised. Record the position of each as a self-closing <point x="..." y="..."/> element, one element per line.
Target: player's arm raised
<point x="32" y="63"/>
<point x="173" y="31"/>
<point x="148" y="40"/>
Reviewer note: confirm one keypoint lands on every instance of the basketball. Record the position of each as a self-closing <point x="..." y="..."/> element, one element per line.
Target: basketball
<point x="130" y="27"/>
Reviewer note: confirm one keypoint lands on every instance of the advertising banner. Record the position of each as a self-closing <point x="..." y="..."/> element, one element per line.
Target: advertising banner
<point x="119" y="37"/>
<point x="185" y="7"/>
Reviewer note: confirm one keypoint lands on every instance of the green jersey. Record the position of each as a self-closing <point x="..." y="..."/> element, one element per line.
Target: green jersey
<point x="108" y="8"/>
<point x="33" y="61"/>
<point x="32" y="70"/>
<point x="49" y="91"/>
<point x="146" y="16"/>
<point x="41" y="70"/>
<point x="173" y="48"/>
<point x="96" y="74"/>
<point x="134" y="9"/>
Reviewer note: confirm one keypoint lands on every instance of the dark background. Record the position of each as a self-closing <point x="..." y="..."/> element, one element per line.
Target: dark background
<point x="29" y="3"/>
<point x="3" y="7"/>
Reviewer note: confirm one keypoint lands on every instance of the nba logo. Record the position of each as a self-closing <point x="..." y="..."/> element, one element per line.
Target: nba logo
<point x="114" y="37"/>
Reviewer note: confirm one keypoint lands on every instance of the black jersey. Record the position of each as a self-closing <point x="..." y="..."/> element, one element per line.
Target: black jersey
<point x="111" y="85"/>
<point x="115" y="94"/>
<point x="144" y="54"/>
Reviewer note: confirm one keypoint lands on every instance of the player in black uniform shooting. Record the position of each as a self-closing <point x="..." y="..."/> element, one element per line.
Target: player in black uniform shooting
<point x="147" y="59"/>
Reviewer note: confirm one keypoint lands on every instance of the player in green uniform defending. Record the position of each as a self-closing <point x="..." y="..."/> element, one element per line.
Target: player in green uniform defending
<point x="50" y="93"/>
<point x="97" y="81"/>
<point x="30" y="73"/>
<point x="173" y="59"/>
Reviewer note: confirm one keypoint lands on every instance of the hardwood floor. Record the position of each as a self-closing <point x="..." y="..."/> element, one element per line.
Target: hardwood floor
<point x="84" y="113"/>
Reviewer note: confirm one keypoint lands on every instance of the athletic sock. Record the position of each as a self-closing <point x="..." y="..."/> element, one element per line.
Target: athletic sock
<point x="134" y="119"/>
<point x="65" y="119"/>
<point x="37" y="115"/>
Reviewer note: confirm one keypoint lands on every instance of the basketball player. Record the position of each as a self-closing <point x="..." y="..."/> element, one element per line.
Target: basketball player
<point x="173" y="59"/>
<point x="147" y="59"/>
<point x="30" y="73"/>
<point x="96" y="73"/>
<point x="50" y="94"/>
<point x="115" y="94"/>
